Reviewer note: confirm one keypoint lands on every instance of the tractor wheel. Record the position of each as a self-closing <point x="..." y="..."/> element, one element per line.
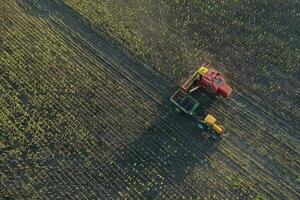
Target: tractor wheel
<point x="214" y="135"/>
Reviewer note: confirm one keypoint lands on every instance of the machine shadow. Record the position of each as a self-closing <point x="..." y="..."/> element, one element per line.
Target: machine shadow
<point x="163" y="154"/>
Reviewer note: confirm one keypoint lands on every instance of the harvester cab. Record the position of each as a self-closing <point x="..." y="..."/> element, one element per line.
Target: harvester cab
<point x="209" y="124"/>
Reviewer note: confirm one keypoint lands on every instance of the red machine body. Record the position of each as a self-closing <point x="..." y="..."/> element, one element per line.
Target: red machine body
<point x="208" y="78"/>
<point x="214" y="81"/>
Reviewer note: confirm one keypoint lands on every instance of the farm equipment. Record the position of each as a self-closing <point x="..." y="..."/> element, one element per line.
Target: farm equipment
<point x="184" y="102"/>
<point x="212" y="81"/>
<point x="208" y="78"/>
<point x="209" y="123"/>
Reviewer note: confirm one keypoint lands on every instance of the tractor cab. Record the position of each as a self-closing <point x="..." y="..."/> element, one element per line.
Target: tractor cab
<point x="209" y="124"/>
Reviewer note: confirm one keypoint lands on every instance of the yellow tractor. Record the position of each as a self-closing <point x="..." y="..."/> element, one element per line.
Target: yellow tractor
<point x="209" y="123"/>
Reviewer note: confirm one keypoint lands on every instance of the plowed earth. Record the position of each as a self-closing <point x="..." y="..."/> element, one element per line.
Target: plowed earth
<point x="81" y="118"/>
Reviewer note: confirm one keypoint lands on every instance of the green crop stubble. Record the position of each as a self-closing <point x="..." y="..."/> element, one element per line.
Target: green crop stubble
<point x="165" y="40"/>
<point x="168" y="43"/>
<point x="135" y="25"/>
<point x="31" y="60"/>
<point x="255" y="33"/>
<point x="173" y="35"/>
<point x="15" y="62"/>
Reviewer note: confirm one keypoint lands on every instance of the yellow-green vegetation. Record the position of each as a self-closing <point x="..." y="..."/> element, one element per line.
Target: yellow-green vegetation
<point x="81" y="117"/>
<point x="147" y="28"/>
<point x="175" y="32"/>
<point x="50" y="108"/>
<point x="257" y="38"/>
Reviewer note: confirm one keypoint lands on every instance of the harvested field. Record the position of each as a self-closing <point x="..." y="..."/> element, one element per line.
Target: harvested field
<point x="85" y="89"/>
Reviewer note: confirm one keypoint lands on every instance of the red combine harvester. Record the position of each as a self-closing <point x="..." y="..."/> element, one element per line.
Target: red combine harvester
<point x="214" y="82"/>
<point x="208" y="78"/>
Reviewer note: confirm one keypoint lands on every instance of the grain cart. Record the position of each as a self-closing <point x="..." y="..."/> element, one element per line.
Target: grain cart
<point x="212" y="81"/>
<point x="184" y="102"/>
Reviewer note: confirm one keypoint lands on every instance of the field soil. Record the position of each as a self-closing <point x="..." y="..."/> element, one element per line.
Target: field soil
<point x="85" y="110"/>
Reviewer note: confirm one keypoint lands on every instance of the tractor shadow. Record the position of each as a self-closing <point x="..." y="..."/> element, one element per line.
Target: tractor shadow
<point x="162" y="156"/>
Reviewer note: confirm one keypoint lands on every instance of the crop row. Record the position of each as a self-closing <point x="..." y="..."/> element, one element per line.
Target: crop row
<point x="90" y="116"/>
<point x="48" y="98"/>
<point x="209" y="33"/>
